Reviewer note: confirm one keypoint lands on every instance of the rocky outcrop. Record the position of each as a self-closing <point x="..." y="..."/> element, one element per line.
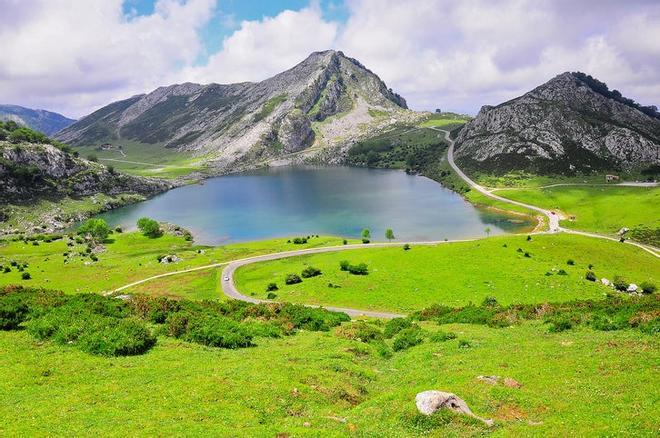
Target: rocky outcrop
<point x="562" y="126"/>
<point x="31" y="171"/>
<point x="245" y="122"/>
<point x="428" y="402"/>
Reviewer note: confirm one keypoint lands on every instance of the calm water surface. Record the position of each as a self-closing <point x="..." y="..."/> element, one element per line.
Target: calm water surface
<point x="301" y="201"/>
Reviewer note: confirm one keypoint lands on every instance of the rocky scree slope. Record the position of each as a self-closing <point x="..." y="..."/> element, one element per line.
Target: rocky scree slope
<point x="563" y="126"/>
<point x="326" y="100"/>
<point x="43" y="121"/>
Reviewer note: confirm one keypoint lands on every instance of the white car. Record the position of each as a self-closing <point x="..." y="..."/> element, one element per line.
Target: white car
<point x="226" y="277"/>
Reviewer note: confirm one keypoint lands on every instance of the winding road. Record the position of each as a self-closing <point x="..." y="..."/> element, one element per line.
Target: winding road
<point x="230" y="290"/>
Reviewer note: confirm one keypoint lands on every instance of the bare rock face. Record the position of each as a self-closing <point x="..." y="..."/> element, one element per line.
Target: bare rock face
<point x="249" y="122"/>
<point x="562" y="126"/>
<point x="295" y="132"/>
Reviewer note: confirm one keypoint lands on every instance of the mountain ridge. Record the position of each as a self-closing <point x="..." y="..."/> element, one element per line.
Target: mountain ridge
<point x="561" y="126"/>
<point x="46" y="122"/>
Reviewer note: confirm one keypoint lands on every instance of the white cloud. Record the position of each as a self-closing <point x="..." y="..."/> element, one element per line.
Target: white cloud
<point x="73" y="59"/>
<point x="259" y="49"/>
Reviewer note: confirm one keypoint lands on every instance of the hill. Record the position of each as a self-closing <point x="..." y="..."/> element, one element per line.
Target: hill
<point x="326" y="101"/>
<point x="34" y="169"/>
<point x="43" y="121"/>
<point x="573" y="123"/>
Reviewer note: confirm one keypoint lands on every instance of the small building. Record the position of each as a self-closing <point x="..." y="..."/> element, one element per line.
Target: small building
<point x="609" y="178"/>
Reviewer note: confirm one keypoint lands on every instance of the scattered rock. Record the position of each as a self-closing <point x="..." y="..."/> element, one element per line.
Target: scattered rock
<point x="170" y="259"/>
<point x="307" y="424"/>
<point x="428" y="402"/>
<point x="605" y="281"/>
<point x="632" y="287"/>
<point x="124" y="297"/>
<point x="511" y="383"/>
<point x="491" y="380"/>
<point x="623" y="231"/>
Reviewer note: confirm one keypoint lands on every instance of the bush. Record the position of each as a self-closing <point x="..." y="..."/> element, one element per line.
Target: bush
<point x="442" y="336"/>
<point x="647" y="287"/>
<point x="570" y="262"/>
<point x="358" y="331"/>
<point x="365" y="241"/>
<point x="560" y="324"/>
<point x="300" y="240"/>
<point x="406" y="247"/>
<point x="116" y="337"/>
<point x="216" y="331"/>
<point x="310" y="272"/>
<point x="464" y="343"/>
<point x="344" y="265"/>
<point x="149" y="227"/>
<point x="359" y="269"/>
<point x="590" y="275"/>
<point x="271" y="296"/>
<point x="394" y="326"/>
<point x="26" y="276"/>
<point x="13" y="311"/>
<point x="407" y="338"/>
<point x="345" y="242"/>
<point x="292" y="279"/>
<point x="489" y="301"/>
<point x="562" y="272"/>
<point x="528" y="255"/>
<point x="620" y="283"/>
<point x="271" y="287"/>
<point x="96" y="229"/>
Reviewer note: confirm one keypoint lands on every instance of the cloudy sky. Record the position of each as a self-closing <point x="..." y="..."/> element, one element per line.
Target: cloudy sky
<point x="75" y="56"/>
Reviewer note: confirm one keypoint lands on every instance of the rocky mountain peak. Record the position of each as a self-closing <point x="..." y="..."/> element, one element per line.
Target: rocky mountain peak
<point x="571" y="123"/>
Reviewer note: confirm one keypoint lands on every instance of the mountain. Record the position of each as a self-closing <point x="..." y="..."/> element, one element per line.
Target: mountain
<point x="325" y="101"/>
<point x="34" y="168"/>
<point x="43" y="121"/>
<point x="571" y="123"/>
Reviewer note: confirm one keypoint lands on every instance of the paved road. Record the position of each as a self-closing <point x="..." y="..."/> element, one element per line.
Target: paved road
<point x="230" y="290"/>
<point x="553" y="218"/>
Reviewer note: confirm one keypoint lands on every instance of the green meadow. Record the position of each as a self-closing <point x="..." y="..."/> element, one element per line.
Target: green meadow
<point x="509" y="268"/>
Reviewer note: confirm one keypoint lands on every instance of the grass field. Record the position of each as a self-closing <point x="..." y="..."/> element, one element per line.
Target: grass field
<point x="598" y="209"/>
<point x="574" y="383"/>
<point x="129" y="257"/>
<point x="455" y="274"/>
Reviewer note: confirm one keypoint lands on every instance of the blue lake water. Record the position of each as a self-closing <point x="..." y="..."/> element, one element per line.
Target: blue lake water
<point x="290" y="201"/>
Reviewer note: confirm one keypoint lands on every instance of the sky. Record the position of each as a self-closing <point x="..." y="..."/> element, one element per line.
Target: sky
<point x="75" y="56"/>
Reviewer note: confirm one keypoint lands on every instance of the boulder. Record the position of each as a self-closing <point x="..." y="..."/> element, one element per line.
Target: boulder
<point x="605" y="281"/>
<point x="491" y="380"/>
<point x="428" y="402"/>
<point x="632" y="287"/>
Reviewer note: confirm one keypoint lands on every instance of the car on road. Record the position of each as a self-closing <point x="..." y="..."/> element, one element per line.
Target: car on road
<point x="226" y="277"/>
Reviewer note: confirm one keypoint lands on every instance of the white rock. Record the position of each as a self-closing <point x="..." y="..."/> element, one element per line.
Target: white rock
<point x="632" y="287"/>
<point x="429" y="402"/>
<point x="605" y="281"/>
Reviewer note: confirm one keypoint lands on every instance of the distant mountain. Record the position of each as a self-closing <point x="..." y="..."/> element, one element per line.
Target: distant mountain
<point x="43" y="121"/>
<point x="327" y="100"/>
<point x="571" y="123"/>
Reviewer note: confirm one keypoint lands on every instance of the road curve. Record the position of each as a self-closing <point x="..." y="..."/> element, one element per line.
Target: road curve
<point x="230" y="290"/>
<point x="553" y="218"/>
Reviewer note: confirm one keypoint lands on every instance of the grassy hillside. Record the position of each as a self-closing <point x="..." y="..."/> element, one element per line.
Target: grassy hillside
<point x="127" y="257"/>
<point x="316" y="384"/>
<point x="600" y="209"/>
<point x="456" y="274"/>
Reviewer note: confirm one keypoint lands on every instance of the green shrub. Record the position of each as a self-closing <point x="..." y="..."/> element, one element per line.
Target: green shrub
<point x="310" y="271"/>
<point x="149" y="227"/>
<point x="345" y="242"/>
<point x="358" y="331"/>
<point x="271" y="287"/>
<point x="562" y="272"/>
<point x="365" y="241"/>
<point x="216" y="331"/>
<point x="489" y="301"/>
<point x="407" y="338"/>
<point x="647" y="287"/>
<point x="26" y="276"/>
<point x="116" y="337"/>
<point x="442" y="336"/>
<point x="590" y="275"/>
<point x="560" y="324"/>
<point x="395" y="325"/>
<point x="406" y="247"/>
<point x="359" y="269"/>
<point x="620" y="283"/>
<point x="310" y="318"/>
<point x="271" y="296"/>
<point x="300" y="240"/>
<point x="382" y="349"/>
<point x="464" y="343"/>
<point x="13" y="311"/>
<point x="344" y="265"/>
<point x="95" y="229"/>
<point x="570" y="262"/>
<point x="292" y="279"/>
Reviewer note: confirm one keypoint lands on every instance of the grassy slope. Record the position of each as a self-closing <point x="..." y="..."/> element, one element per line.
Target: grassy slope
<point x="128" y="258"/>
<point x="574" y="383"/>
<point x="598" y="209"/>
<point x="455" y="274"/>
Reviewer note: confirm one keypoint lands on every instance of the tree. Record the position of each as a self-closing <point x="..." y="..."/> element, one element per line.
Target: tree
<point x="366" y="234"/>
<point x="389" y="234"/>
<point x="149" y="227"/>
<point x="95" y="229"/>
<point x="487" y="230"/>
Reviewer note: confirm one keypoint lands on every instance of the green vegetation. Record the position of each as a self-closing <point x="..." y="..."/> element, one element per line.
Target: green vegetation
<point x="600" y="209"/>
<point x="149" y="227"/>
<point x="270" y="106"/>
<point x="447" y="121"/>
<point x="65" y="265"/>
<point x="375" y="113"/>
<point x="456" y="273"/>
<point x="96" y="230"/>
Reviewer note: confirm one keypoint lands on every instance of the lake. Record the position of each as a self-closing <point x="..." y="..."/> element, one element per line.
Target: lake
<point x="290" y="201"/>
